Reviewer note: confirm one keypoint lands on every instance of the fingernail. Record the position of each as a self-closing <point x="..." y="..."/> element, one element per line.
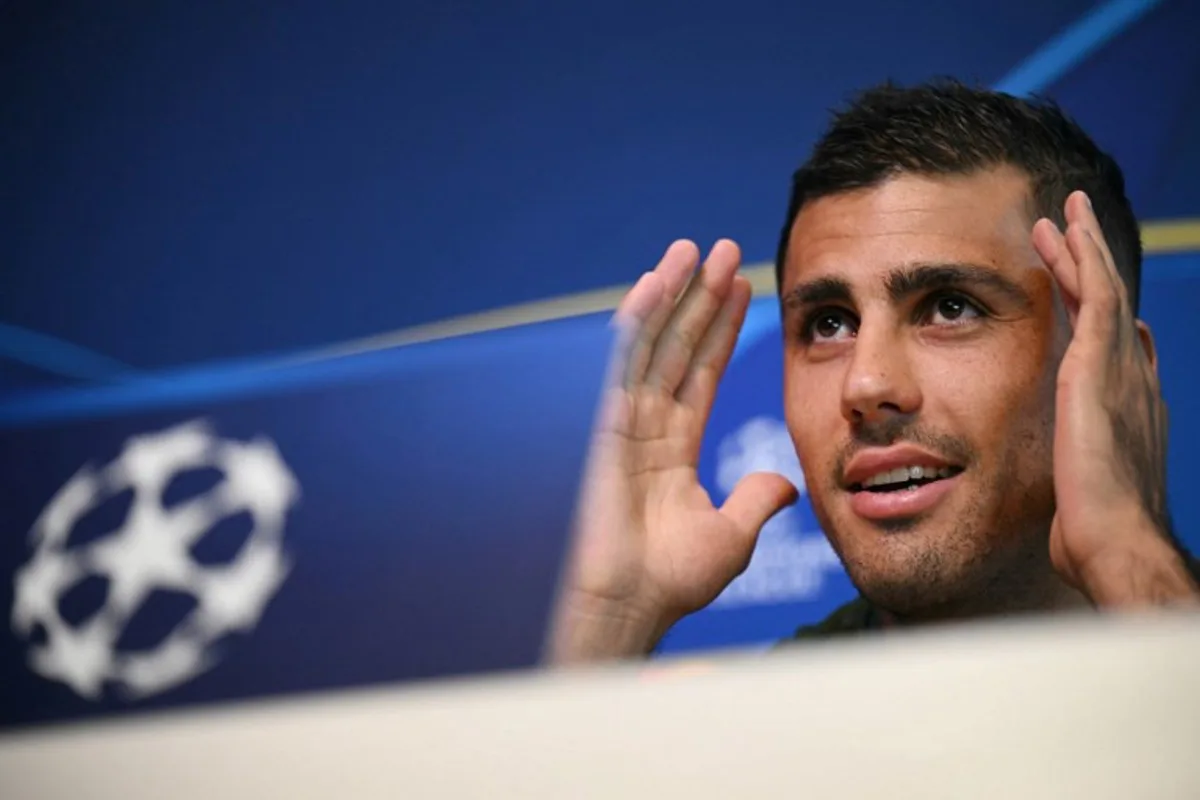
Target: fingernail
<point x="1088" y="200"/>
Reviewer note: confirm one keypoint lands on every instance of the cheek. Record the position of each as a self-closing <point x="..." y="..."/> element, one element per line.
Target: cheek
<point x="1001" y="398"/>
<point x="812" y="410"/>
<point x="967" y="389"/>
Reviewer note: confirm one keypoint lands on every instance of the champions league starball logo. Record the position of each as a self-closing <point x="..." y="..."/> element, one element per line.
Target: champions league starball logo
<point x="151" y="549"/>
<point x="788" y="564"/>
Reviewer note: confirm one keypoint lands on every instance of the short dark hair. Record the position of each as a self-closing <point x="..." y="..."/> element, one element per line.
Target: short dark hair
<point x="948" y="128"/>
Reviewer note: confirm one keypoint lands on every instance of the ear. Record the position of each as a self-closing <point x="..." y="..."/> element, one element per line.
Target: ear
<point x="1147" y="339"/>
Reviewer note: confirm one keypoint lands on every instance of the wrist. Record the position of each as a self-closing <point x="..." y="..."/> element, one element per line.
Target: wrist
<point x="1143" y="570"/>
<point x="589" y="628"/>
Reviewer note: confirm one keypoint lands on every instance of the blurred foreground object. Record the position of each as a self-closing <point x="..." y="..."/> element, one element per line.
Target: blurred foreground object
<point x="1096" y="707"/>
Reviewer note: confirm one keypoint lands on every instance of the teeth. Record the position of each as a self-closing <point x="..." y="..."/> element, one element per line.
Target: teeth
<point x="903" y="474"/>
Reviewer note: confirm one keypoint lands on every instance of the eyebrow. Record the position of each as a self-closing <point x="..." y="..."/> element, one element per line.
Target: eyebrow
<point x="908" y="280"/>
<point x="818" y="291"/>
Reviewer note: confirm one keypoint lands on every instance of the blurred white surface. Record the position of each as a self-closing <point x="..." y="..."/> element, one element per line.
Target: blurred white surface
<point x="1086" y="707"/>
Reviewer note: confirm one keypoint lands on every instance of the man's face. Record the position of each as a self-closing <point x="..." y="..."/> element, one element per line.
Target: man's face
<point x="922" y="333"/>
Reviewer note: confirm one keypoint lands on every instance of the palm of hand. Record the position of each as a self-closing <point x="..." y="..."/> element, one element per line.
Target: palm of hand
<point x="1110" y="422"/>
<point x="649" y="534"/>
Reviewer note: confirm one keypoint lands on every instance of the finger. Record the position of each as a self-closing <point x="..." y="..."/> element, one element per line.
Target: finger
<point x="679" y="340"/>
<point x="626" y="326"/>
<point x="638" y="303"/>
<point x="676" y="269"/>
<point x="630" y="319"/>
<point x="1079" y="208"/>
<point x="635" y="324"/>
<point x="1099" y="302"/>
<point x="1079" y="211"/>
<point x="671" y="274"/>
<point x="1052" y="248"/>
<point x="699" y="387"/>
<point x="756" y="498"/>
<point x="615" y="411"/>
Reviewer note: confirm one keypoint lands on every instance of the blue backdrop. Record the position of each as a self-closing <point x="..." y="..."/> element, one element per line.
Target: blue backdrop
<point x="183" y="182"/>
<point x="189" y="193"/>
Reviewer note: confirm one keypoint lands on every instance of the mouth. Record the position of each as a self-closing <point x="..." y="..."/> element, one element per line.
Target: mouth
<point x="902" y="479"/>
<point x="903" y="492"/>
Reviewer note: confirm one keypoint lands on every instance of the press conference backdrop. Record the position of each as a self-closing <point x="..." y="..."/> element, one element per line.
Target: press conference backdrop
<point x="193" y="195"/>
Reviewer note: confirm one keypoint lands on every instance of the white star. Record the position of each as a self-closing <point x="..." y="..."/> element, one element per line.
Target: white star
<point x="38" y="586"/>
<point x="149" y="552"/>
<point x="258" y="479"/>
<point x="64" y="510"/>
<point x="176" y="662"/>
<point x="150" y="461"/>
<point x="234" y="598"/>
<point x="79" y="658"/>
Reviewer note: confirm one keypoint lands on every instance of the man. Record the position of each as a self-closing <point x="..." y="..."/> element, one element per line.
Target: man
<point x="973" y="401"/>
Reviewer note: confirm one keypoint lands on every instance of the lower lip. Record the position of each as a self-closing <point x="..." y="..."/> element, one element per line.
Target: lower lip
<point x="903" y="502"/>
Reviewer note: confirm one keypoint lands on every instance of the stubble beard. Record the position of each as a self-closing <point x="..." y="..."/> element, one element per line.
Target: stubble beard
<point x="976" y="560"/>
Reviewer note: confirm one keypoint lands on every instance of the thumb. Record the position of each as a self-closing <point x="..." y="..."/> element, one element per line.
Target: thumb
<point x="756" y="498"/>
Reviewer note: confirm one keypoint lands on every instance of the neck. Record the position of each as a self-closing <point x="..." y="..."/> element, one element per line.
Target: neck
<point x="1036" y="589"/>
<point x="1064" y="599"/>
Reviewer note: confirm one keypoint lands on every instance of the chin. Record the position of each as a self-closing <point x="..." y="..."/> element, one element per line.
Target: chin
<point x="971" y="551"/>
<point x="915" y="566"/>
<point x="912" y="599"/>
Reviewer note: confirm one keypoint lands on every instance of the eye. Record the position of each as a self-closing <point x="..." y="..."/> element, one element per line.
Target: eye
<point x="950" y="309"/>
<point x="829" y="325"/>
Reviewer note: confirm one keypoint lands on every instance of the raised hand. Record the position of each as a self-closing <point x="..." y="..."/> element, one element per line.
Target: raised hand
<point x="650" y="545"/>
<point x="1109" y="537"/>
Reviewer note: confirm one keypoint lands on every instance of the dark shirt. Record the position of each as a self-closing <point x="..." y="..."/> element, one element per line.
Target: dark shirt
<point x="857" y="616"/>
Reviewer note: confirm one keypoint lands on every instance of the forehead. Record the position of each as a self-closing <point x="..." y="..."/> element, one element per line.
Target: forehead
<point x="983" y="218"/>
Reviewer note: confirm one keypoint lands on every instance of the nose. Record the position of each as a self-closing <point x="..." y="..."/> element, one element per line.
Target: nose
<point x="879" y="381"/>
